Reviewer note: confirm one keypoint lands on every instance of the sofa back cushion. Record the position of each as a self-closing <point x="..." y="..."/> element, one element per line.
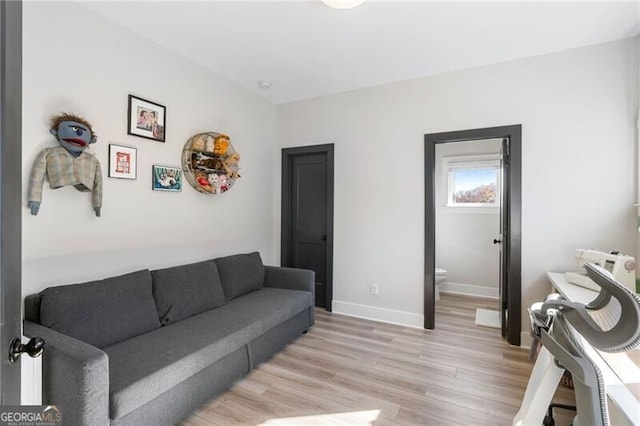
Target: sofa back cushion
<point x="186" y="290"/>
<point x="103" y="312"/>
<point x="240" y="274"/>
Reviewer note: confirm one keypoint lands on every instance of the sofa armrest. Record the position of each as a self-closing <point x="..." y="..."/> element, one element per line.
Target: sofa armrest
<point x="290" y="278"/>
<point x="75" y="376"/>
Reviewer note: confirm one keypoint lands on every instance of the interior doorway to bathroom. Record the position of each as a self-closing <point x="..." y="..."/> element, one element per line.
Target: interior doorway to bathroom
<point x="506" y="205"/>
<point x="467" y="207"/>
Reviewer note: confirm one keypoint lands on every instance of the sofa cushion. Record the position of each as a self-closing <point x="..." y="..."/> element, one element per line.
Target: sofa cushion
<point x="146" y="366"/>
<point x="186" y="290"/>
<point x="240" y="274"/>
<point x="103" y="312"/>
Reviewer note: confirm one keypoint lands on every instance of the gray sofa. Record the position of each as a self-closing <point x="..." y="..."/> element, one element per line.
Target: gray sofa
<point x="149" y="347"/>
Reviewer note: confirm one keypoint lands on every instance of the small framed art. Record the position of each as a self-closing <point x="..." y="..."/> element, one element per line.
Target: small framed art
<point x="167" y="178"/>
<point x="122" y="162"/>
<point x="146" y="119"/>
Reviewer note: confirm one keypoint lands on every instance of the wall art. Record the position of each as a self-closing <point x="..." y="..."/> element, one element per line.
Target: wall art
<point x="167" y="178"/>
<point x="210" y="163"/>
<point x="122" y="162"/>
<point x="146" y="119"/>
<point x="67" y="163"/>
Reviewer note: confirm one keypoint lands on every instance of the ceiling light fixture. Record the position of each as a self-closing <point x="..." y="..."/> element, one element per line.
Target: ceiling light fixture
<point x="343" y="4"/>
<point x="264" y="85"/>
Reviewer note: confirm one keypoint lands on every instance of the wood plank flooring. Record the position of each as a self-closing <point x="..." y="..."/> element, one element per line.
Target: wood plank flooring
<point x="349" y="371"/>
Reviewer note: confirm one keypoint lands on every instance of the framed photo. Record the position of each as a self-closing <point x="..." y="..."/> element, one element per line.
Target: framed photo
<point x="146" y="119"/>
<point x="167" y="178"/>
<point x="122" y="162"/>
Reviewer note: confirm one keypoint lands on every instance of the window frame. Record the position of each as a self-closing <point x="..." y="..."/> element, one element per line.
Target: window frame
<point x="451" y="163"/>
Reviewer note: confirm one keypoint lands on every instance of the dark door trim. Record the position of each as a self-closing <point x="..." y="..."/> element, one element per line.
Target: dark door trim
<point x="514" y="212"/>
<point x="10" y="193"/>
<point x="285" y="237"/>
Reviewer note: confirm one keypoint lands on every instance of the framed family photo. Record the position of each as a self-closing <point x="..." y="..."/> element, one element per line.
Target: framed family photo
<point x="146" y="119"/>
<point x="167" y="178"/>
<point x="122" y="162"/>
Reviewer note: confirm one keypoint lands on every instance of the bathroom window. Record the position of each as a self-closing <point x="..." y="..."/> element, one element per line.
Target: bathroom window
<point x="473" y="181"/>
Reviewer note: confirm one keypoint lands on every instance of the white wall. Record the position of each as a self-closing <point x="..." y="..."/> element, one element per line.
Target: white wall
<point x="638" y="166"/>
<point x="464" y="235"/>
<point x="88" y="66"/>
<point x="577" y="109"/>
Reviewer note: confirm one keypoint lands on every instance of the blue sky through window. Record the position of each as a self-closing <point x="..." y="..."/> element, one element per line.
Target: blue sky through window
<point x="466" y="179"/>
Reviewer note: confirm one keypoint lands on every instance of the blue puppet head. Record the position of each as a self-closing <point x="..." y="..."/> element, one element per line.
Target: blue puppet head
<point x="74" y="133"/>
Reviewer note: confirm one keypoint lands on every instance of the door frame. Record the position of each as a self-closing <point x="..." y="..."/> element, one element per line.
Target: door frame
<point x="10" y="195"/>
<point x="513" y="211"/>
<point x="285" y="214"/>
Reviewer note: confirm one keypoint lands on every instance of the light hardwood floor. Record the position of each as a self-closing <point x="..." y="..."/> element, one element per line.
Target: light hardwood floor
<point x="348" y="371"/>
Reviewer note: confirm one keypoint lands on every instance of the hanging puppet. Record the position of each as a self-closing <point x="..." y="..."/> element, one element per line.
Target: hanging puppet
<point x="67" y="164"/>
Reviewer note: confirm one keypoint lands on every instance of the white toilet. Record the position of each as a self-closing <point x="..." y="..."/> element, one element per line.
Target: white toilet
<point x="441" y="275"/>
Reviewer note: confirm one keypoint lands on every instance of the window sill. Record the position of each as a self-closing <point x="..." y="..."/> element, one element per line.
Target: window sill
<point x="471" y="210"/>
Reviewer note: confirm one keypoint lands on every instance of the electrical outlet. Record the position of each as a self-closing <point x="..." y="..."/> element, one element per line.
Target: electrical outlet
<point x="374" y="289"/>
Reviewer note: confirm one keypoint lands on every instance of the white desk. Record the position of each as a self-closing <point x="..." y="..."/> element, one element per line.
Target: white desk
<point x="621" y="371"/>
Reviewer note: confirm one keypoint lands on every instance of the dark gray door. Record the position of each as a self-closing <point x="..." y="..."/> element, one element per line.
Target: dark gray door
<point x="10" y="194"/>
<point x="309" y="218"/>
<point x="503" y="239"/>
<point x="307" y="215"/>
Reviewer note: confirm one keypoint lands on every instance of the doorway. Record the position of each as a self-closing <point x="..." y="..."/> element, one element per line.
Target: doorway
<point x="510" y="223"/>
<point x="307" y="215"/>
<point x="468" y="204"/>
<point x="10" y="195"/>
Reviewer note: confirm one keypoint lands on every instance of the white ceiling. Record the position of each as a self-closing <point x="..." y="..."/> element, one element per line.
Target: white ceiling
<point x="305" y="49"/>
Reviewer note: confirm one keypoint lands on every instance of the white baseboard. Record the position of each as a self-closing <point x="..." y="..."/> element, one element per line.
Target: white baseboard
<point x="469" y="290"/>
<point x="525" y="339"/>
<point x="403" y="318"/>
<point x="375" y="313"/>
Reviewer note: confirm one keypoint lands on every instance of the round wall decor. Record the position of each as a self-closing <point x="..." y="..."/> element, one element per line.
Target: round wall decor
<point x="210" y="163"/>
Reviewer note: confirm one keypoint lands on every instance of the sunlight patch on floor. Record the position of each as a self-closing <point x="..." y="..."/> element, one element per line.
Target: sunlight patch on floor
<point x="351" y="418"/>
